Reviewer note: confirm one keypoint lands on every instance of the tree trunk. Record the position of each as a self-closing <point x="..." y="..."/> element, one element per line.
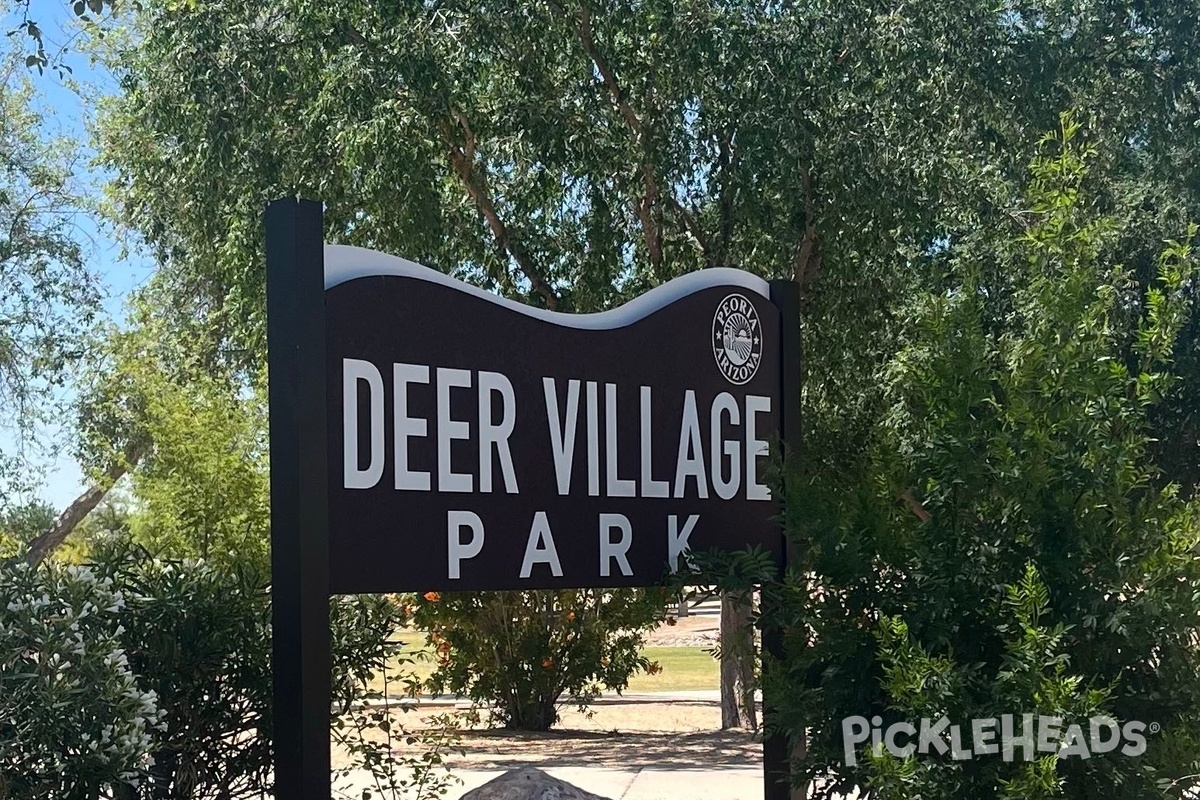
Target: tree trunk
<point x="737" y="663"/>
<point x="79" y="508"/>
<point x="535" y="711"/>
<point x="531" y="714"/>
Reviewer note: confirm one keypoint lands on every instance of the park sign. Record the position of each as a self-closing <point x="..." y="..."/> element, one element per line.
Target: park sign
<point x="428" y="435"/>
<point x="478" y="443"/>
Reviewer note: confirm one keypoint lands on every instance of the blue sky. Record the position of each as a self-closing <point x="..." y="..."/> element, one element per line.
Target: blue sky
<point x="67" y="112"/>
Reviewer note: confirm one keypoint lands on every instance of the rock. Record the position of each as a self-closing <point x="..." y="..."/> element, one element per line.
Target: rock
<point x="528" y="783"/>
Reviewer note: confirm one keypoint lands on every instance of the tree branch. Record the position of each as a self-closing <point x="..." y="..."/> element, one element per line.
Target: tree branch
<point x="646" y="206"/>
<point x="462" y="160"/>
<point x="725" y="159"/>
<point x="650" y="228"/>
<point x="474" y="180"/>
<point x="691" y="225"/>
<point x="80" y="507"/>
<point x="609" y="78"/>
<point x="806" y="265"/>
<point x="915" y="506"/>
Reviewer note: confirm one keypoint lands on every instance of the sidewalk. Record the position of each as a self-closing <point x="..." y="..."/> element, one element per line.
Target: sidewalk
<point x="728" y="783"/>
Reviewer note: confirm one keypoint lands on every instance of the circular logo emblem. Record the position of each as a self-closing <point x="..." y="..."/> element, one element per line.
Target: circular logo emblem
<point x="737" y="339"/>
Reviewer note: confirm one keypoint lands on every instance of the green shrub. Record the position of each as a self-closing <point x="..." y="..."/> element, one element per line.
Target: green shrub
<point x="522" y="653"/>
<point x="74" y="720"/>
<point x="1010" y="545"/>
<point x="140" y="677"/>
<point x="199" y="636"/>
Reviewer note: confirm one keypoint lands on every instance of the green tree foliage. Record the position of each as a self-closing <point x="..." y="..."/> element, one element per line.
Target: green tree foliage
<point x="1051" y="569"/>
<point x="43" y="53"/>
<point x="573" y="154"/>
<point x="48" y="298"/>
<point x="524" y="653"/>
<point x="203" y="490"/>
<point x="196" y="434"/>
<point x="194" y="438"/>
<point x="20" y="524"/>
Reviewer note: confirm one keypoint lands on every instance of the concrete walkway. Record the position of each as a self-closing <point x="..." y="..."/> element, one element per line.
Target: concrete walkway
<point x="726" y="783"/>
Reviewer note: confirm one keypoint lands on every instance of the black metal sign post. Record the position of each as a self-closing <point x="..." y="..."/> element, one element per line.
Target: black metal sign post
<point x="299" y="499"/>
<point x="427" y="435"/>
<point x="777" y="750"/>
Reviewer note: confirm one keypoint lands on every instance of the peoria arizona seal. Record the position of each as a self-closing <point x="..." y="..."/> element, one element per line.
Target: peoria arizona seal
<point x="737" y="339"/>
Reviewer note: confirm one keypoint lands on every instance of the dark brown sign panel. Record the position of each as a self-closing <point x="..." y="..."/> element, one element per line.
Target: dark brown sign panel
<point x="475" y="443"/>
<point x="428" y="435"/>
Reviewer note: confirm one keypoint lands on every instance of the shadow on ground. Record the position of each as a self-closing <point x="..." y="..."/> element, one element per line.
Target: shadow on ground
<point x="627" y="751"/>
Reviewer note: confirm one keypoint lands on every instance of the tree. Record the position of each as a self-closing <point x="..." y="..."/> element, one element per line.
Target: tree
<point x="43" y="54"/>
<point x="573" y="156"/>
<point x="202" y="490"/>
<point x="48" y="298"/>
<point x="25" y="523"/>
<point x="193" y="434"/>
<point x="112" y="409"/>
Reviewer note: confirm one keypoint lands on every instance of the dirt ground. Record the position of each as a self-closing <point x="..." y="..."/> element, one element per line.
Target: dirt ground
<point x="635" y="733"/>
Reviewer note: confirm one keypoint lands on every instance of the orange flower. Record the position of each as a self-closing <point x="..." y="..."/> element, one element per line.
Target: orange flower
<point x="548" y="663"/>
<point x="604" y="662"/>
<point x="570" y="616"/>
<point x="432" y="597"/>
<point x="443" y="646"/>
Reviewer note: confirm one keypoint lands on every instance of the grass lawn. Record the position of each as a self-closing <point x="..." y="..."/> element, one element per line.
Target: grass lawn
<point x="683" y="668"/>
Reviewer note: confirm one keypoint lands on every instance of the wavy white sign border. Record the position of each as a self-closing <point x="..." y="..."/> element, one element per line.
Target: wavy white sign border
<point x="345" y="263"/>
